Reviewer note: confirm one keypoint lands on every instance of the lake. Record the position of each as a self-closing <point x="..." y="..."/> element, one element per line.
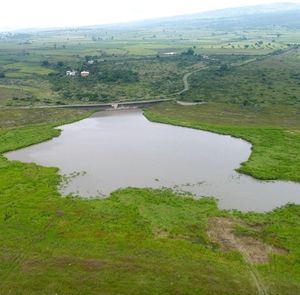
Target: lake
<point x="118" y="149"/>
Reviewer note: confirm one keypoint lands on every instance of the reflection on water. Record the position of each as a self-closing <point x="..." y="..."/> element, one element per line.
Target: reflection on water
<point x="119" y="149"/>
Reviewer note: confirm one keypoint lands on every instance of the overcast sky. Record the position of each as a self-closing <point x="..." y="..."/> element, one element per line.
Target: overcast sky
<point x="54" y="13"/>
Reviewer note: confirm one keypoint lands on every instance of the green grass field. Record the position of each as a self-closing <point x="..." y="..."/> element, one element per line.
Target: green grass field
<point x="138" y="241"/>
<point x="268" y="81"/>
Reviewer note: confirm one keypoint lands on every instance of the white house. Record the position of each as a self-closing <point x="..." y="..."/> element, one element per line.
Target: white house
<point x="170" y="53"/>
<point x="90" y="62"/>
<point x="71" y="73"/>
<point x="84" y="74"/>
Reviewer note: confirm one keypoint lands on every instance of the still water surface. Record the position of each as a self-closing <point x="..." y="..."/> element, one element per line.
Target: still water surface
<point x="112" y="150"/>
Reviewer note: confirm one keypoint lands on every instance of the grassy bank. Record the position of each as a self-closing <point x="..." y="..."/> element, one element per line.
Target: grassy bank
<point x="138" y="241"/>
<point x="274" y="133"/>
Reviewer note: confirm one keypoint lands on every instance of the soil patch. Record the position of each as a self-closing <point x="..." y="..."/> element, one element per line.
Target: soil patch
<point x="221" y="231"/>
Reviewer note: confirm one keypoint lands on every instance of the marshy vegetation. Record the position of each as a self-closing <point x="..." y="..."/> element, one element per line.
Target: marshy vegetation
<point x="116" y="244"/>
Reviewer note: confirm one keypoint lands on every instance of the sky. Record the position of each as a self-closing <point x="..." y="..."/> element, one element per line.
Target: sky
<point x="16" y="14"/>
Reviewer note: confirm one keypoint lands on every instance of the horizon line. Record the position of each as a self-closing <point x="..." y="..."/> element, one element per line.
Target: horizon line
<point x="128" y="22"/>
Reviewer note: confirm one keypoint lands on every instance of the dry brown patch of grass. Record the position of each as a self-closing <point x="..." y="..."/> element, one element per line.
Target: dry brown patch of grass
<point x="220" y="230"/>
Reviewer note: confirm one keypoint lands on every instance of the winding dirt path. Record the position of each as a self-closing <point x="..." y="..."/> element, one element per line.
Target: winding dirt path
<point x="186" y="78"/>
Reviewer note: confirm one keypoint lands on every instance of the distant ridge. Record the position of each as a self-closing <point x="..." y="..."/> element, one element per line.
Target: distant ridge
<point x="277" y="14"/>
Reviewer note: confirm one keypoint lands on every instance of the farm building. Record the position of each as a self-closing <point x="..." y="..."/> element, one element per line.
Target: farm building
<point x="84" y="74"/>
<point x="71" y="73"/>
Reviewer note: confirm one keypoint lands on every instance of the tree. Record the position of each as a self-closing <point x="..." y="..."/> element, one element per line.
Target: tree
<point x="189" y="52"/>
<point x="45" y="63"/>
<point x="2" y="75"/>
<point x="224" y="68"/>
